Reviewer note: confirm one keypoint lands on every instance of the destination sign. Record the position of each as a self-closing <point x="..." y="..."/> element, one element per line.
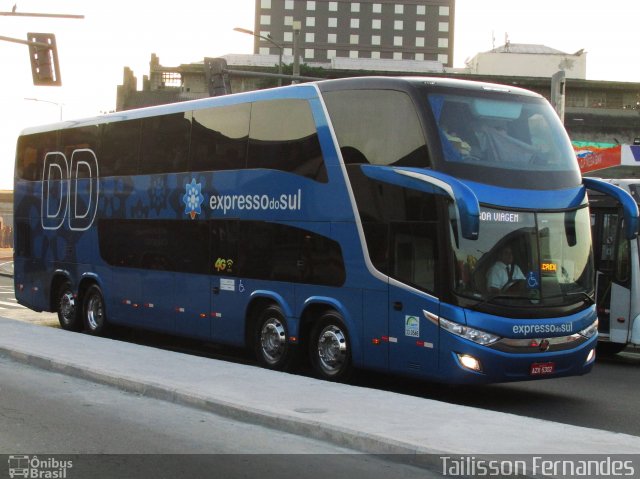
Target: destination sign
<point x="500" y="216"/>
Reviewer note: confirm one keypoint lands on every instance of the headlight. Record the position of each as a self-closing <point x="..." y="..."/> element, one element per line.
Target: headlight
<point x="472" y="334"/>
<point x="590" y="331"/>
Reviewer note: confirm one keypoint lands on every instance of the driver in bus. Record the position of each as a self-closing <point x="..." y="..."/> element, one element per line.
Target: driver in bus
<point x="503" y="272"/>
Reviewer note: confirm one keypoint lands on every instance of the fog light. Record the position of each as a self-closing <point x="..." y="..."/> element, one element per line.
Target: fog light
<point x="591" y="356"/>
<point x="469" y="362"/>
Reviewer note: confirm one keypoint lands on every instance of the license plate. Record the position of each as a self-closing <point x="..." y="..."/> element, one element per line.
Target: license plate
<point x="542" y="369"/>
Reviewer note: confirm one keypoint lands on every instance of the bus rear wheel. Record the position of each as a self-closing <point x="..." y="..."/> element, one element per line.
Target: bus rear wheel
<point x="271" y="341"/>
<point x="330" y="348"/>
<point x="93" y="310"/>
<point x="68" y="314"/>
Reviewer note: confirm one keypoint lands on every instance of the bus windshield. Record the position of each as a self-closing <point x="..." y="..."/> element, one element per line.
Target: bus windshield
<point x="516" y="134"/>
<point x="525" y="258"/>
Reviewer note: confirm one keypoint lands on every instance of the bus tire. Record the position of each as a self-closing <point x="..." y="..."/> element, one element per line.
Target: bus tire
<point x="271" y="340"/>
<point x="68" y="314"/>
<point x="330" y="348"/>
<point x="93" y="311"/>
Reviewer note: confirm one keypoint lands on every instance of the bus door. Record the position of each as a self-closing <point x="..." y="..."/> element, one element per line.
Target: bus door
<point x="613" y="294"/>
<point x="620" y="307"/>
<point x="413" y="337"/>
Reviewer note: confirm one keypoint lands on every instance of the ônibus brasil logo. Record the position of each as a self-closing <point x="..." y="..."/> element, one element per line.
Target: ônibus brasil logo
<point x="193" y="199"/>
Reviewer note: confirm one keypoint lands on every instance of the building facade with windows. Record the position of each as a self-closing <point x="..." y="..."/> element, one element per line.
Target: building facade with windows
<point x="374" y="29"/>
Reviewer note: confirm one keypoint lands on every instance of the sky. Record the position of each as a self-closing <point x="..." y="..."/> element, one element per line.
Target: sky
<point x="94" y="51"/>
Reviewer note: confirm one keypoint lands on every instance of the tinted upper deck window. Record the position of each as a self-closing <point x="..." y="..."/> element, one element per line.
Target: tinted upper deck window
<point x="219" y="138"/>
<point x="119" y="149"/>
<point x="283" y="136"/>
<point x="380" y="127"/>
<point x="31" y="152"/>
<point x="503" y="139"/>
<point x="165" y="143"/>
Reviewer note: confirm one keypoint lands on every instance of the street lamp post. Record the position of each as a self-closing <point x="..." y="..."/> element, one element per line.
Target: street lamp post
<point x="268" y="38"/>
<point x="297" y="26"/>
<point x="59" y="105"/>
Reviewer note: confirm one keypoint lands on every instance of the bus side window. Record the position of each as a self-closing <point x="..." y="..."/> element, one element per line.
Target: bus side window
<point x="276" y="252"/>
<point x="283" y="136"/>
<point x="31" y="152"/>
<point x="380" y="127"/>
<point x="82" y="138"/>
<point x="165" y="143"/>
<point x="120" y="148"/>
<point x="219" y="138"/>
<point x="414" y="254"/>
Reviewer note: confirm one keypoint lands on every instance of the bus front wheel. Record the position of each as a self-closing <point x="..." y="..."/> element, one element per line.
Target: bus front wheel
<point x="330" y="349"/>
<point x="68" y="314"/>
<point x="272" y="347"/>
<point x="95" y="319"/>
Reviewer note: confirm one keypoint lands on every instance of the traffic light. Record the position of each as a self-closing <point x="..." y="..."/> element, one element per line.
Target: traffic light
<point x="44" y="59"/>
<point x="216" y="76"/>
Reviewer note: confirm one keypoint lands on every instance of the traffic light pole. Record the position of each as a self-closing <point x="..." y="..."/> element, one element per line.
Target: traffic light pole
<point x="43" y="52"/>
<point x="41" y="15"/>
<point x="23" y="42"/>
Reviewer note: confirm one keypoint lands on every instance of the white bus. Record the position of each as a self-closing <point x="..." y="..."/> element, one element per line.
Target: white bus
<point x="617" y="264"/>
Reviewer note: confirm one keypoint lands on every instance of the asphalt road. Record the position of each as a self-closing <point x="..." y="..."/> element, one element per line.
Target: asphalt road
<point x="604" y="399"/>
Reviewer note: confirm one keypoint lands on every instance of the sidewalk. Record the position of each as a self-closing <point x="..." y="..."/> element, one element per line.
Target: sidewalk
<point x="364" y="419"/>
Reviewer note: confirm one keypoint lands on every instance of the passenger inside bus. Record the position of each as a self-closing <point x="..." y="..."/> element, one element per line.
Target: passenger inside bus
<point x="484" y="139"/>
<point x="456" y="125"/>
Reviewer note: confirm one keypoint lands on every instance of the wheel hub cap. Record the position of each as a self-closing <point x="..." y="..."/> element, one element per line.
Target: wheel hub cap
<point x="273" y="340"/>
<point x="332" y="349"/>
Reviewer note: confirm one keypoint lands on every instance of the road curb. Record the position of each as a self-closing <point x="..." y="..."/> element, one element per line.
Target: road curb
<point x="343" y="437"/>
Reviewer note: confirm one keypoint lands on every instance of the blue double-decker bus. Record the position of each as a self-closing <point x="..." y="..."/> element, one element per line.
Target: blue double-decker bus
<point x="424" y="226"/>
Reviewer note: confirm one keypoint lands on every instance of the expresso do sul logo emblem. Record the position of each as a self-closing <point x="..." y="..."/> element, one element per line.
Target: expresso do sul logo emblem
<point x="193" y="199"/>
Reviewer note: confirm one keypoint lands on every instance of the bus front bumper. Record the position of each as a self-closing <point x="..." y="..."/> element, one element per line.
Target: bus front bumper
<point x="467" y="362"/>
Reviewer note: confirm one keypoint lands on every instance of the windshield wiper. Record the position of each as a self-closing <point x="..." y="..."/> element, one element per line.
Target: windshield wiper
<point x="582" y="293"/>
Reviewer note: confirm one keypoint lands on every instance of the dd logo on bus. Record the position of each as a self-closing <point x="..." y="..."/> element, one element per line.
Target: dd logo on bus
<point x="69" y="190"/>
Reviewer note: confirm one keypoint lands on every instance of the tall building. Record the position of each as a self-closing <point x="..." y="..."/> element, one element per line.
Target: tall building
<point x="371" y="29"/>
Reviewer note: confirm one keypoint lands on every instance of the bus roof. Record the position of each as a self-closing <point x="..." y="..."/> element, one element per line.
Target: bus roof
<point x="305" y="90"/>
<point x="429" y="82"/>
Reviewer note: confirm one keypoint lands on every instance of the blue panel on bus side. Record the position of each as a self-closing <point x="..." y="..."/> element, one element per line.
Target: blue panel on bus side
<point x="250" y="194"/>
<point x="192" y="294"/>
<point x="375" y="329"/>
<point x="157" y="308"/>
<point x="521" y="198"/>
